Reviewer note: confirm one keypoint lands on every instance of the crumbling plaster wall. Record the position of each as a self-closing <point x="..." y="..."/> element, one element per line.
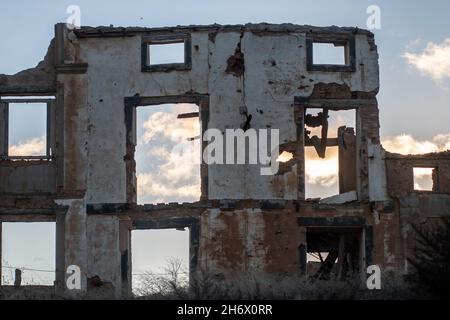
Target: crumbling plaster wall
<point x="103" y="251"/>
<point x="115" y="73"/>
<point x="275" y="72"/>
<point x="401" y="176"/>
<point x="95" y="75"/>
<point x="267" y="240"/>
<point x="18" y="177"/>
<point x="91" y="77"/>
<point x="35" y="80"/>
<point x="32" y="178"/>
<point x="418" y="208"/>
<point x="252" y="240"/>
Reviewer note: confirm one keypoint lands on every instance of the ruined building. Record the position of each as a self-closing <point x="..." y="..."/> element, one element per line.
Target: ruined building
<point x="94" y="79"/>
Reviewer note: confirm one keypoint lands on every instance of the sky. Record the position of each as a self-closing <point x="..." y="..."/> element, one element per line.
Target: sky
<point x="173" y="174"/>
<point x="413" y="44"/>
<point x="30" y="246"/>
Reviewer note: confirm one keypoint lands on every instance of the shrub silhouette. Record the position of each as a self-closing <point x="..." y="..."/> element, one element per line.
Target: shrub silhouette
<point x="431" y="259"/>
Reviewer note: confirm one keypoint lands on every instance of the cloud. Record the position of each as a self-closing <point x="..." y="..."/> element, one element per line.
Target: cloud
<point x="406" y="144"/>
<point x="443" y="141"/>
<point x="434" y="61"/>
<point x="166" y="125"/>
<point x="323" y="172"/>
<point x="30" y="147"/>
<point x="413" y="44"/>
<point x="423" y="172"/>
<point x="176" y="177"/>
<point x="160" y="152"/>
<point x="151" y="184"/>
<point x="180" y="164"/>
<point x="423" y="179"/>
<point x="176" y="173"/>
<point x="321" y="175"/>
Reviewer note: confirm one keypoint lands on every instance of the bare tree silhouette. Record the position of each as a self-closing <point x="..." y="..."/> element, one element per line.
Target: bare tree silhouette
<point x="431" y="259"/>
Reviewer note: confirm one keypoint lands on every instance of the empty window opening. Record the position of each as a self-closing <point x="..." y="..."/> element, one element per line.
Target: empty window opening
<point x="159" y="256"/>
<point x="424" y="179"/>
<point x="29" y="248"/>
<point x="322" y="175"/>
<point x="27" y="129"/>
<point x="167" y="53"/>
<point x="329" y="54"/>
<point x="333" y="252"/>
<point x="168" y="154"/>
<point x="330" y="153"/>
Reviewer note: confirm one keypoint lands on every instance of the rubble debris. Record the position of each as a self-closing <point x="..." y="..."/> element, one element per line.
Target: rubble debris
<point x="341" y="198"/>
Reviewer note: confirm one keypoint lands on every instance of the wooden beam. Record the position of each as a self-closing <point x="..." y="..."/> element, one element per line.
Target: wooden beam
<point x="194" y="138"/>
<point x="336" y="104"/>
<point x="341" y="257"/>
<point x="331" y="142"/>
<point x="188" y="115"/>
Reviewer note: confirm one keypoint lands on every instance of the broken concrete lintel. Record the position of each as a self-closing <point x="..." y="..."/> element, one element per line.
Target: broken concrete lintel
<point x="341" y="198"/>
<point x="335" y="104"/>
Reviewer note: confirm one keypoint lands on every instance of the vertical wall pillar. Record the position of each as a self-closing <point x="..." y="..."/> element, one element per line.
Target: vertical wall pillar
<point x="3" y="129"/>
<point x="362" y="255"/>
<point x="60" y="254"/>
<point x="125" y="254"/>
<point x="74" y="241"/>
<point x="368" y="127"/>
<point x="303" y="252"/>
<point x="299" y="113"/>
<point x="58" y="152"/>
<point x="1" y="249"/>
<point x="71" y="114"/>
<point x="347" y="159"/>
<point x="204" y="118"/>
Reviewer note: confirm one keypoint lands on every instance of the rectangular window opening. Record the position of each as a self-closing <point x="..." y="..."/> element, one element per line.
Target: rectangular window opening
<point x="166" y="53"/>
<point x="424" y="179"/>
<point x="333" y="252"/>
<point x="332" y="54"/>
<point x="168" y="154"/>
<point x="28" y="254"/>
<point x="322" y="175"/>
<point x="169" y="53"/>
<point x="159" y="257"/>
<point x="27" y="130"/>
<point x="329" y="54"/>
<point x="330" y="153"/>
<point x="26" y="125"/>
